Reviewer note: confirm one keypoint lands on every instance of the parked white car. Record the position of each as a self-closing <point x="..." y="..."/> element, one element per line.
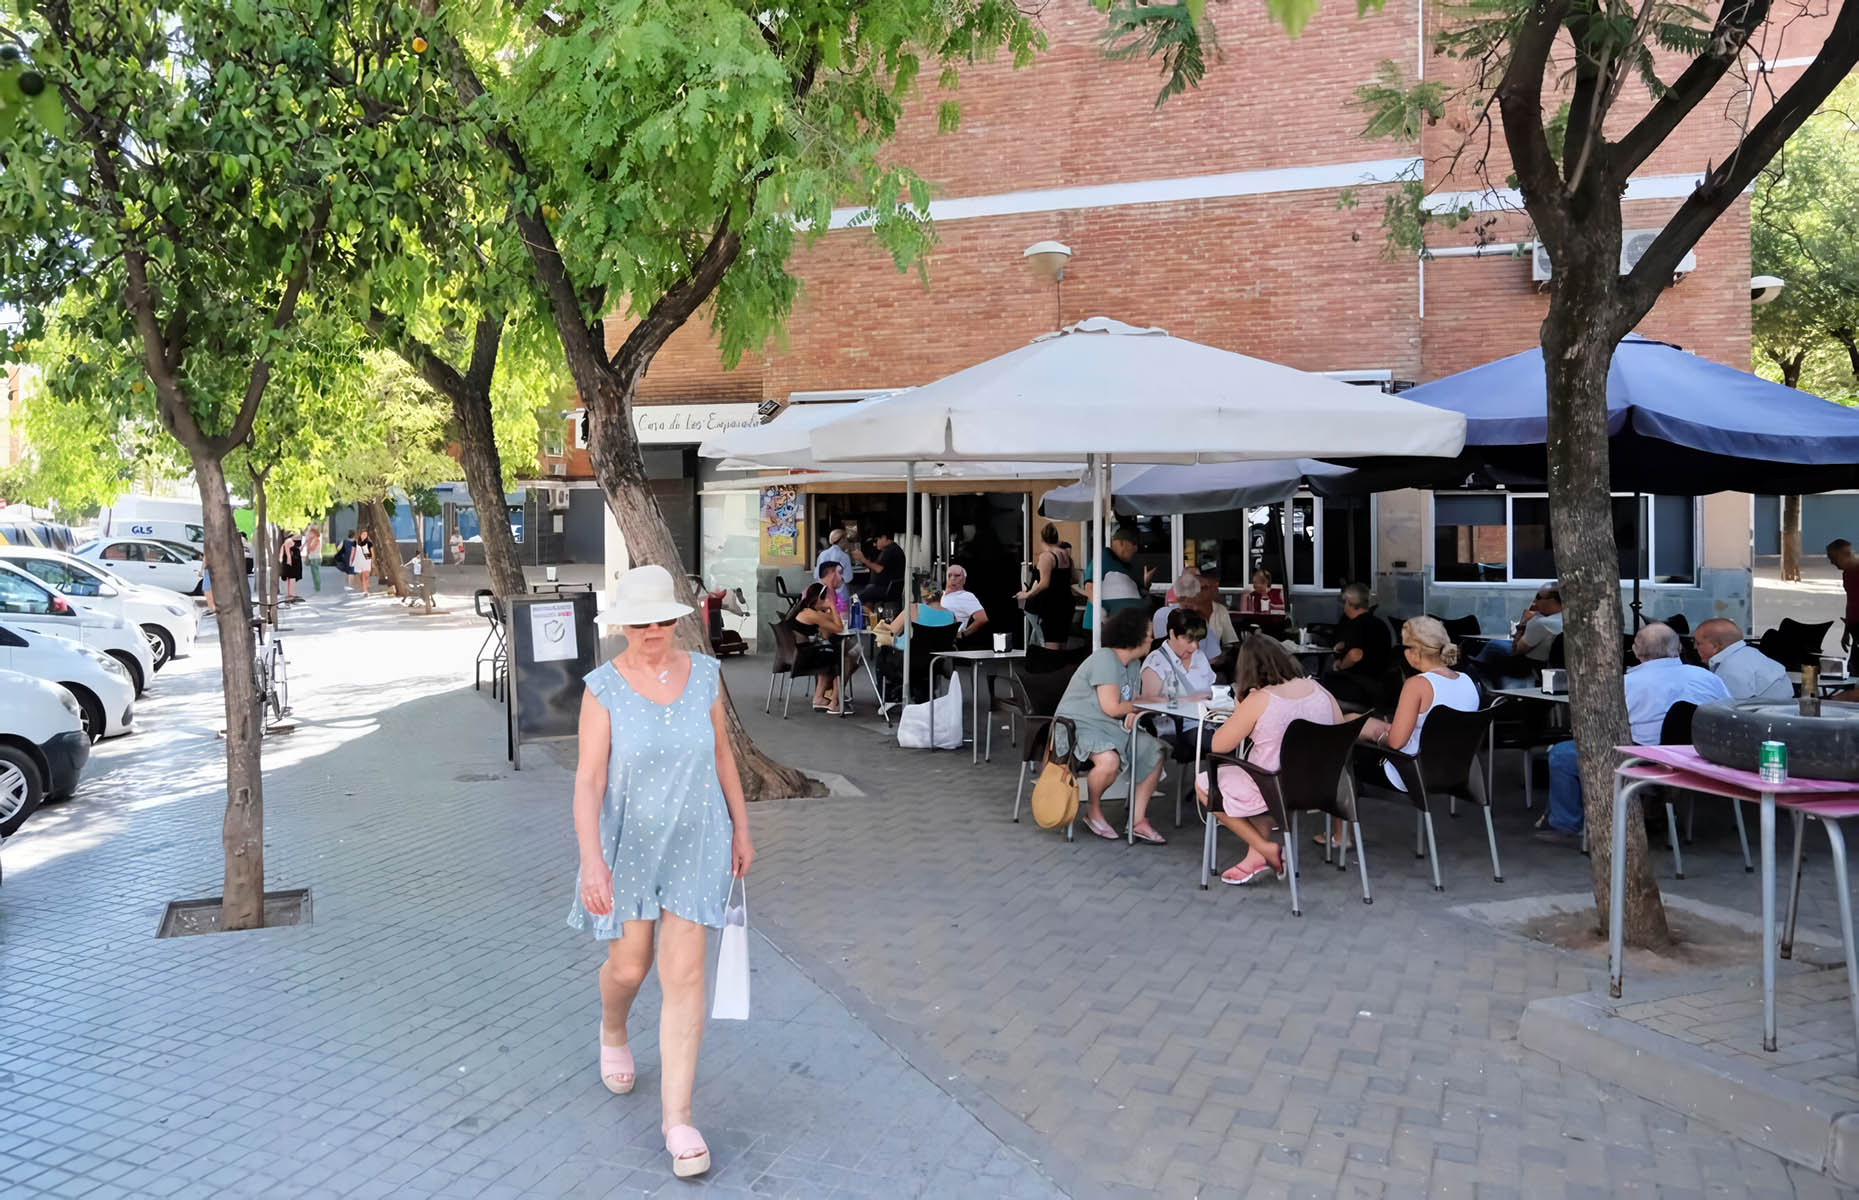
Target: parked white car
<point x="100" y="684"/>
<point x="27" y="603"/>
<point x="169" y="623"/>
<point x="43" y="747"/>
<point x="145" y="561"/>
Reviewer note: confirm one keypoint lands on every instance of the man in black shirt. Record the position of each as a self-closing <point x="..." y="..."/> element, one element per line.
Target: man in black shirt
<point x="1364" y="647"/>
<point x="887" y="573"/>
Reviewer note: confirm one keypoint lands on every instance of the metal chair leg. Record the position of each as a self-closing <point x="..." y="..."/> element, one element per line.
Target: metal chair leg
<point x="769" y="705"/>
<point x="1420" y="829"/>
<point x="1017" y="789"/>
<point x="1742" y="835"/>
<point x="1794" y="886"/>
<point x="787" y="695"/>
<point x="1297" y="909"/>
<point x="1671" y="836"/>
<point x="1209" y="828"/>
<point x="1361" y="861"/>
<point x="1529" y="779"/>
<point x="1691" y="819"/>
<point x="1836" y="839"/>
<point x="1433" y="851"/>
<point x="1491" y="836"/>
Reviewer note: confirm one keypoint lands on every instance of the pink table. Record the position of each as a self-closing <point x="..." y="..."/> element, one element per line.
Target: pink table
<point x="1828" y="800"/>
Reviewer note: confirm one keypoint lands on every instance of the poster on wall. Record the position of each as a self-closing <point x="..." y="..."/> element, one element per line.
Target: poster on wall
<point x="552" y="632"/>
<point x="781" y="522"/>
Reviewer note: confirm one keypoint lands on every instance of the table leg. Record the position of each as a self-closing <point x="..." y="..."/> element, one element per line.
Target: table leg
<point x="1207" y="821"/>
<point x="931" y="678"/>
<point x="871" y="676"/>
<point x="1129" y="800"/>
<point x="975" y="706"/>
<point x="1794" y="886"/>
<point x="842" y="694"/>
<point x="1768" y="921"/>
<point x="1836" y="838"/>
<point x="1616" y="892"/>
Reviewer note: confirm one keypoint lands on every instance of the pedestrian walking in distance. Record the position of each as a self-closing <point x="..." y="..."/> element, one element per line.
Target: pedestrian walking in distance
<point x="662" y="829"/>
<point x="313" y="554"/>
<point x="361" y="560"/>
<point x="290" y="564"/>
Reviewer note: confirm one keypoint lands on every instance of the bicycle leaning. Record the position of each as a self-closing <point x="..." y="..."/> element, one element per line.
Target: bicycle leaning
<point x="270" y="678"/>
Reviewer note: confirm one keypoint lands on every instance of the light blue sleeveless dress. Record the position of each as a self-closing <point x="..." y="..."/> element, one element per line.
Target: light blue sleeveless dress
<point x="664" y="825"/>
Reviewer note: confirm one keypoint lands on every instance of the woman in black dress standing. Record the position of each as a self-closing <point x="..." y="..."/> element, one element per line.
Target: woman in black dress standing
<point x="290" y="564"/>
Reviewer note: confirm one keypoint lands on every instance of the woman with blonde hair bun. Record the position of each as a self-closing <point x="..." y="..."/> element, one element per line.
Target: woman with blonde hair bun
<point x="1432" y="655"/>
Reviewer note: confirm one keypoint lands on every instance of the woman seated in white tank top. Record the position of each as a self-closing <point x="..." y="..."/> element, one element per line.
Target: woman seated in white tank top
<point x="1432" y="654"/>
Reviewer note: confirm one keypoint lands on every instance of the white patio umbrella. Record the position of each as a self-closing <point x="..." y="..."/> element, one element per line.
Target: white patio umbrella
<point x="1102" y="389"/>
<point x="785" y="443"/>
<point x="1191" y="488"/>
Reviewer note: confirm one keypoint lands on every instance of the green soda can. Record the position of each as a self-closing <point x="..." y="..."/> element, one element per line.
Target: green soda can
<point x="1772" y="764"/>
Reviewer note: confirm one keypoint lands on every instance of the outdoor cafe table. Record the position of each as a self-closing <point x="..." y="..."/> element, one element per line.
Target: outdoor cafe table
<point x="1201" y="708"/>
<point x="974" y="658"/>
<point x="1828" y="800"/>
<point x="845" y="638"/>
<point x="1829" y="684"/>
<point x="1532" y="692"/>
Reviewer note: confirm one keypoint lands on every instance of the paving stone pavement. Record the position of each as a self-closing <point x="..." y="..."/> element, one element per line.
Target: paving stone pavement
<point x="1198" y="1043"/>
<point x="432" y="1031"/>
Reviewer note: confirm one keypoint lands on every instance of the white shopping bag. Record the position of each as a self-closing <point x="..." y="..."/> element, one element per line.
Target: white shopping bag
<point x="731" y="1002"/>
<point x="913" y="726"/>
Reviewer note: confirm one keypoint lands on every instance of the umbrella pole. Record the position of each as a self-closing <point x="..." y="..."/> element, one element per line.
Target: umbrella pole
<point x="1097" y="552"/>
<point x="1639" y="551"/>
<point x="910" y="538"/>
<point x="1284" y="553"/>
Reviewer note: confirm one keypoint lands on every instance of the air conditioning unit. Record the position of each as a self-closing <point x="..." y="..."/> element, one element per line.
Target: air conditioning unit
<point x="1633" y="244"/>
<point x="558" y="468"/>
<point x="555" y="496"/>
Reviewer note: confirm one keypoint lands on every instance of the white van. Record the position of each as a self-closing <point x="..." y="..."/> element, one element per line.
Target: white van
<point x="42" y="746"/>
<point x="27" y="603"/>
<point x="153" y="517"/>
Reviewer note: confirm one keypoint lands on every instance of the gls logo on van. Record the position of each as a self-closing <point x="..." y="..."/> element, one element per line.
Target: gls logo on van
<point x="142" y="530"/>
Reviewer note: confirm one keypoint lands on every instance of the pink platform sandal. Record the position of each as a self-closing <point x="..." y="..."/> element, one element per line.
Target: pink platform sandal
<point x="689" y="1155"/>
<point x="617" y="1071"/>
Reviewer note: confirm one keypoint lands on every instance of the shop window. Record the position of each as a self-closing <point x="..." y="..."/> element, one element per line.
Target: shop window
<point x="1505" y="538"/>
<point x="1470" y="542"/>
<point x="553" y="443"/>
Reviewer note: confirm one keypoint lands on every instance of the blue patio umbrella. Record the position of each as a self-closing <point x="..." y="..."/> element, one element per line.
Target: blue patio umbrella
<point x="1677" y="424"/>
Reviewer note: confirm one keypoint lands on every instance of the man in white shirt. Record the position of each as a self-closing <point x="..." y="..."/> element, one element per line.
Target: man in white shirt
<point x="1537" y="630"/>
<point x="835" y="553"/>
<point x="1192" y="593"/>
<point x="969" y="615"/>
<point x="1746" y="671"/>
<point x="1660" y="681"/>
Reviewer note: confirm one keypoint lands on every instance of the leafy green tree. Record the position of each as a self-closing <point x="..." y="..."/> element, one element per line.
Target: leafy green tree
<point x="204" y="162"/>
<point x="1582" y="92"/>
<point x="664" y="158"/>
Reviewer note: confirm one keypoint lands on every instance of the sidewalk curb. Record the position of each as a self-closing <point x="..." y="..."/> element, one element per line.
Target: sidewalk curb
<point x="1787" y="1119"/>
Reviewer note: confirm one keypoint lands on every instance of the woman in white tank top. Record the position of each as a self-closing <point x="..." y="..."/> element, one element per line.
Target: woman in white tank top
<point x="1432" y="654"/>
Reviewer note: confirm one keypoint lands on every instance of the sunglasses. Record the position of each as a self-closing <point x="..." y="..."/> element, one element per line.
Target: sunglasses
<point x="655" y="624"/>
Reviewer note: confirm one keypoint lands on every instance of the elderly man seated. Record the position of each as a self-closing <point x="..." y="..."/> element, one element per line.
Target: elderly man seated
<point x="1193" y="596"/>
<point x="1537" y="629"/>
<point x="1659" y="681"/>
<point x="969" y="615"/>
<point x="1746" y="671"/>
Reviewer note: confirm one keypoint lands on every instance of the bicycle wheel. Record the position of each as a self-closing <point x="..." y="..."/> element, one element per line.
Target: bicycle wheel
<point x="279" y="694"/>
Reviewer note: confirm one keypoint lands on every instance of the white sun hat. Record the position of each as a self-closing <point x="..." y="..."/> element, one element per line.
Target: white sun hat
<point x="644" y="596"/>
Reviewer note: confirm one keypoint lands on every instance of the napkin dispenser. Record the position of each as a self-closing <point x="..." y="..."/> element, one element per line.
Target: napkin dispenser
<point x="1555" y="681"/>
<point x="1831" y="667"/>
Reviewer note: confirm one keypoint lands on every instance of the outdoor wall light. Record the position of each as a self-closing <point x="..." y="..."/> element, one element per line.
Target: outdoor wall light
<point x="1048" y="260"/>
<point x="1764" y="288"/>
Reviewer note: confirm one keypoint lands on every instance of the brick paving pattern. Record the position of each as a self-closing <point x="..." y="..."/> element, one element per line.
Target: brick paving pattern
<point x="947" y="1004"/>
<point x="432" y="1031"/>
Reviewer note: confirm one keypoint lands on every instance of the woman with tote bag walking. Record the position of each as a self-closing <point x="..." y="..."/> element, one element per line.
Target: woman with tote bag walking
<point x="663" y="833"/>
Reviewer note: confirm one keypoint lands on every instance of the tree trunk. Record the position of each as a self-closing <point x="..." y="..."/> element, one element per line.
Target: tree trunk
<point x="621" y="472"/>
<point x="1578" y="347"/>
<point x="477" y="453"/>
<point x="1791" y="538"/>
<point x="242" y="834"/>
<point x="388" y="568"/>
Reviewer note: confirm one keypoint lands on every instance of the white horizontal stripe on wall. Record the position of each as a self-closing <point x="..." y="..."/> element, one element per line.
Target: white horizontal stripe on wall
<point x="1649" y="187"/>
<point x="1162" y="191"/>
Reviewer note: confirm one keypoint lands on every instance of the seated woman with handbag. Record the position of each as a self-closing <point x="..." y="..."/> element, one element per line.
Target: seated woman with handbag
<point x="815" y="621"/>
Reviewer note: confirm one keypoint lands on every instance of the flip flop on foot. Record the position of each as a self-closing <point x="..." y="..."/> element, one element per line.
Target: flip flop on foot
<point x="1147" y="833"/>
<point x="617" y="1071"/>
<point x="689" y="1155"/>
<point x="1102" y="829"/>
<point x="1240" y="874"/>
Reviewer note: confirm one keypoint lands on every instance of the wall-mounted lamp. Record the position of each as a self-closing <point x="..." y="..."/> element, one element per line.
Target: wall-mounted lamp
<point x="1048" y="261"/>
<point x="1764" y="288"/>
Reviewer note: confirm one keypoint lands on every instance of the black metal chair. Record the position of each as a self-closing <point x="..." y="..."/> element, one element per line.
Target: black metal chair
<point x="484" y="603"/>
<point x="787" y="648"/>
<point x="1446" y="766"/>
<point x="1794" y="643"/>
<point x="1460" y="628"/>
<point x="1312" y="776"/>
<point x="925" y="642"/>
<point x="1528" y="727"/>
<point x="1675" y="730"/>
<point x="1031" y="702"/>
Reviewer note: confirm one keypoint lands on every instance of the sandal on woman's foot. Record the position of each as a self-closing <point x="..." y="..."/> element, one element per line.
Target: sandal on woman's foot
<point x="1152" y="837"/>
<point x="689" y="1155"/>
<point x="617" y="1071"/>
<point x="1102" y="829"/>
<point x="1240" y="875"/>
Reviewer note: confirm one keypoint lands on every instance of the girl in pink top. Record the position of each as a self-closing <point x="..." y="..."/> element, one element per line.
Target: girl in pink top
<point x="1275" y="693"/>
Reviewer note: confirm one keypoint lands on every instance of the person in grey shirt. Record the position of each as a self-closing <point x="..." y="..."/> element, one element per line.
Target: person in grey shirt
<point x="1745" y="670"/>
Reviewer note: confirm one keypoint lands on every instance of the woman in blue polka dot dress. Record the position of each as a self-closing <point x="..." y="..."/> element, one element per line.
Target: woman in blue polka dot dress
<point x="660" y="820"/>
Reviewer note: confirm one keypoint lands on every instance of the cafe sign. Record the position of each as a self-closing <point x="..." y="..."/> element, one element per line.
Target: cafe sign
<point x="662" y="423"/>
